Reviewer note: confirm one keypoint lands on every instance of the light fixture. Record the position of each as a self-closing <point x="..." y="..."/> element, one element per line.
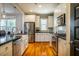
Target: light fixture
<point x="39" y="6"/>
<point x="3" y="16"/>
<point x="3" y="12"/>
<point x="30" y="10"/>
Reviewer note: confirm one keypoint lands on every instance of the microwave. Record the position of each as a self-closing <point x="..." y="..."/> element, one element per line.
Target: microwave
<point x="61" y="30"/>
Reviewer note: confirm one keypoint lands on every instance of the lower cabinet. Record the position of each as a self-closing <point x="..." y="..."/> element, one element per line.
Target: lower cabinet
<point x="6" y="49"/>
<point x="43" y="37"/>
<point x="61" y="47"/>
<point x="20" y="45"/>
<point x="17" y="47"/>
<point x="24" y="43"/>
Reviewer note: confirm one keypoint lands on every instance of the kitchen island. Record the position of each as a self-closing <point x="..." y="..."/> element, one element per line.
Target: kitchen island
<point x="12" y="45"/>
<point x="8" y="38"/>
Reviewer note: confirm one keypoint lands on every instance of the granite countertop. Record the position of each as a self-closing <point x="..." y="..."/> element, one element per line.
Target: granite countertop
<point x="61" y="36"/>
<point x="43" y="32"/>
<point x="8" y="38"/>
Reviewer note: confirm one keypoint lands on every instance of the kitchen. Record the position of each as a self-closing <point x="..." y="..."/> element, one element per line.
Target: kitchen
<point x="18" y="36"/>
<point x="35" y="29"/>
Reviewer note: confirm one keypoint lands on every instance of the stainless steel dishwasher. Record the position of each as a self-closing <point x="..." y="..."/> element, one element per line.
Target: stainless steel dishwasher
<point x="17" y="47"/>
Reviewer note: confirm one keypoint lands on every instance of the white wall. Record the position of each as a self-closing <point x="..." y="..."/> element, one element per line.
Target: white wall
<point x="18" y="23"/>
<point x="50" y="21"/>
<point x="37" y="21"/>
<point x="19" y="18"/>
<point x="29" y="18"/>
<point x="68" y="29"/>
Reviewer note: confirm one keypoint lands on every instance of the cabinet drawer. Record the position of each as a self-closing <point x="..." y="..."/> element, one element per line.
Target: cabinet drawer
<point x="4" y="49"/>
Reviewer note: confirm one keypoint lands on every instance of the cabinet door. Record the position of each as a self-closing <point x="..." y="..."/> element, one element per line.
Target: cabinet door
<point x="50" y="21"/>
<point x="37" y="21"/>
<point x="17" y="47"/>
<point x="24" y="43"/>
<point x="6" y="49"/>
<point x="37" y="37"/>
<point x="61" y="47"/>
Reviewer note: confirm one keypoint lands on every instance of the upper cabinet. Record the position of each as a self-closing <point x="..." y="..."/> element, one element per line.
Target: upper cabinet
<point x="50" y="21"/>
<point x="29" y="18"/>
<point x="37" y="21"/>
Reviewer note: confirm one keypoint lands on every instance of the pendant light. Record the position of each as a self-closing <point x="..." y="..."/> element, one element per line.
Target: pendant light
<point x="3" y="12"/>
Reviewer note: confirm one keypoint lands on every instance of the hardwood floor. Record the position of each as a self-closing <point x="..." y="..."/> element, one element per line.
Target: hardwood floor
<point x="39" y="49"/>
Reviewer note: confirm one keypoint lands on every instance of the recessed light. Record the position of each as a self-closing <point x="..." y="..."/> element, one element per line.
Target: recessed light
<point x="30" y="10"/>
<point x="40" y="6"/>
<point x="4" y="16"/>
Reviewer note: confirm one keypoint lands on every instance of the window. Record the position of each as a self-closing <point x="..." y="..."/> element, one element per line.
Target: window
<point x="7" y="24"/>
<point x="2" y="24"/>
<point x="11" y="23"/>
<point x="43" y="24"/>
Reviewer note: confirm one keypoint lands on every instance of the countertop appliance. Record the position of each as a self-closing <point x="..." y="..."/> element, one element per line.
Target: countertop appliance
<point x="2" y="33"/>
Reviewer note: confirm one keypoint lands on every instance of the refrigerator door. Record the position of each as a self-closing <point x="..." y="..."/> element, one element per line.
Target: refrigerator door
<point x="29" y="28"/>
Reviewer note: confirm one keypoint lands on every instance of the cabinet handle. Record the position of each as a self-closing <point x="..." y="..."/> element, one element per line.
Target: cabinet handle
<point x="77" y="49"/>
<point x="71" y="42"/>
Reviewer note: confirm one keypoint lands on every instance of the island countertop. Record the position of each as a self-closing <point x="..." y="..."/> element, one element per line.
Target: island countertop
<point x="8" y="38"/>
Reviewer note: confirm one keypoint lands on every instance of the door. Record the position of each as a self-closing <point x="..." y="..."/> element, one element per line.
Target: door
<point x="76" y="31"/>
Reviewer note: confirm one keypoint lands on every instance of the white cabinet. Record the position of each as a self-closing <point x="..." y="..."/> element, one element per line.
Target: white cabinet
<point x="17" y="47"/>
<point x="24" y="43"/>
<point x="50" y="21"/>
<point x="20" y="45"/>
<point x="29" y="18"/>
<point x="6" y="49"/>
<point x="61" y="47"/>
<point x="37" y="21"/>
<point x="42" y="37"/>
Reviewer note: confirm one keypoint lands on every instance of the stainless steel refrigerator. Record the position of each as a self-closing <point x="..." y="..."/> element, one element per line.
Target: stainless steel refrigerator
<point x="29" y="29"/>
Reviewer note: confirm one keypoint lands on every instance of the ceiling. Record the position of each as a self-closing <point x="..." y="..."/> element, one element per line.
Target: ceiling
<point x="38" y="8"/>
<point x="8" y="8"/>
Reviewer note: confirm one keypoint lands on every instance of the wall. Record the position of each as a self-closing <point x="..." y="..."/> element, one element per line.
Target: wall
<point x="29" y="18"/>
<point x="50" y="21"/>
<point x="37" y="21"/>
<point x="68" y="29"/>
<point x="61" y="9"/>
<point x="19" y="18"/>
<point x="19" y="23"/>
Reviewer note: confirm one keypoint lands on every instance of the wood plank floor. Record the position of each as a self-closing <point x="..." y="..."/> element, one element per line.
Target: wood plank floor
<point x="39" y="49"/>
